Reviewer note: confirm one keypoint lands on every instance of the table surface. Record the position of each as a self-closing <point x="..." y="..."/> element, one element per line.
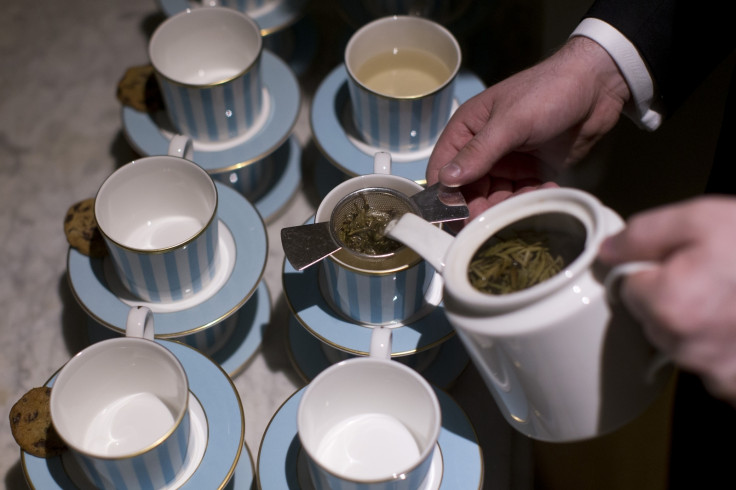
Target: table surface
<point x="60" y="136"/>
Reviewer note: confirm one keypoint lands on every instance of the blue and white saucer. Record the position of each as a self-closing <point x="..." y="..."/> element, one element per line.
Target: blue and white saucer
<point x="310" y="357"/>
<point x="217" y="453"/>
<point x="252" y="320"/>
<point x="271" y="18"/>
<point x="330" y="117"/>
<point x="310" y="308"/>
<point x="243" y="253"/>
<point x="280" y="461"/>
<point x="150" y="134"/>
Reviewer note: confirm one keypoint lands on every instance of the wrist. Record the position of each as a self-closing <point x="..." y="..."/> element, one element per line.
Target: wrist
<point x="593" y="61"/>
<point x="642" y="106"/>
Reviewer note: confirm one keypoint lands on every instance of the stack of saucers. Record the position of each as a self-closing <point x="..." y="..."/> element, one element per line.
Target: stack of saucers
<point x="351" y="122"/>
<point x="225" y="320"/>
<point x="217" y="456"/>
<point x="261" y="157"/>
<point x="263" y="164"/>
<point x="218" y="160"/>
<point x="320" y="334"/>
<point x="229" y="106"/>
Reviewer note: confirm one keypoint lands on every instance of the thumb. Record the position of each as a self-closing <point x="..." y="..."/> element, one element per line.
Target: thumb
<point x="476" y="158"/>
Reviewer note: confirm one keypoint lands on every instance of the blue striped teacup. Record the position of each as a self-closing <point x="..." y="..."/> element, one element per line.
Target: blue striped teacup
<point x="158" y="216"/>
<point x="207" y="64"/>
<point x="122" y="407"/>
<point x="401" y="78"/>
<point x="370" y="423"/>
<point x="376" y="291"/>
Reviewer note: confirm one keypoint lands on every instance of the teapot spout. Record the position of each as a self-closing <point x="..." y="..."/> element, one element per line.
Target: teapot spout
<point x="421" y="236"/>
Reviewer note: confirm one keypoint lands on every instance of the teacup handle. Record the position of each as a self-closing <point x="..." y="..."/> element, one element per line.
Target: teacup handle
<point x="381" y="338"/>
<point x="611" y="283"/>
<point x="382" y="162"/>
<point x="140" y="323"/>
<point x="181" y="146"/>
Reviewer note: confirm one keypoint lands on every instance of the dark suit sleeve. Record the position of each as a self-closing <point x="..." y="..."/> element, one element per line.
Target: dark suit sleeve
<point x="680" y="41"/>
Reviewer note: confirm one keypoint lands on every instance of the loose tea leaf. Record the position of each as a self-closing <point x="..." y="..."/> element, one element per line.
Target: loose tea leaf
<point x="362" y="230"/>
<point x="512" y="265"/>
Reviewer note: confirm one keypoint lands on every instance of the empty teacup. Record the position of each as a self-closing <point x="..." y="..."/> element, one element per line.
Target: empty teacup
<point x="401" y="74"/>
<point x="207" y="63"/>
<point x="158" y="216"/>
<point x="121" y="406"/>
<point x="369" y="422"/>
<point x="528" y="300"/>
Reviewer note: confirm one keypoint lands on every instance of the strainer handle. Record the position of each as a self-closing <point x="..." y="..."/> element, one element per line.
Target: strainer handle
<point x="308" y="244"/>
<point x="440" y="204"/>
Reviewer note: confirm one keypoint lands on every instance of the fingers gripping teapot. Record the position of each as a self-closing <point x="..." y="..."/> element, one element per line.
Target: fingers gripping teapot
<point x="562" y="361"/>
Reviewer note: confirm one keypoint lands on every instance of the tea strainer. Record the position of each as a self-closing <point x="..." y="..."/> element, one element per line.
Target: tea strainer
<point x="357" y="221"/>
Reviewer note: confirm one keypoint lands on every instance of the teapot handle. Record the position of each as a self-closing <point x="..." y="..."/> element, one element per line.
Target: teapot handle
<point x="424" y="238"/>
<point x="611" y="283"/>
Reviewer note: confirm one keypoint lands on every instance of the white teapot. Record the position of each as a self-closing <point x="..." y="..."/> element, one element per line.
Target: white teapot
<point x="562" y="361"/>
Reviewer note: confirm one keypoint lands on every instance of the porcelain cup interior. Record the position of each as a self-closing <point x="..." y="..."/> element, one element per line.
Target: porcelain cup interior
<point x="401" y="73"/>
<point x="203" y="47"/>
<point x="158" y="216"/>
<point x="380" y="412"/>
<point x="207" y="63"/>
<point x="123" y="403"/>
<point x="392" y="34"/>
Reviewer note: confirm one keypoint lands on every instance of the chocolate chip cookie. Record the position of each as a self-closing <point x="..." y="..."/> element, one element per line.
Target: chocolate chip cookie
<point x="139" y="89"/>
<point x="30" y="423"/>
<point x="82" y="233"/>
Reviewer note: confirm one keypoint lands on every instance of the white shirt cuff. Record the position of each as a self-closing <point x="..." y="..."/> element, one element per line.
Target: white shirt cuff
<point x="632" y="67"/>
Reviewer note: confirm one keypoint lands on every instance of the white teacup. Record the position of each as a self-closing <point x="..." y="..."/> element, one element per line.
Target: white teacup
<point x="401" y="75"/>
<point x="121" y="406"/>
<point x="158" y="216"/>
<point x="562" y="361"/>
<point x="369" y="423"/>
<point x="207" y="63"/>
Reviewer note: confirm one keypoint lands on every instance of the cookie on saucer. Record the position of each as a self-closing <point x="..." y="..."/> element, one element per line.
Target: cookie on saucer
<point x="139" y="89"/>
<point x="82" y="233"/>
<point x="30" y="423"/>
